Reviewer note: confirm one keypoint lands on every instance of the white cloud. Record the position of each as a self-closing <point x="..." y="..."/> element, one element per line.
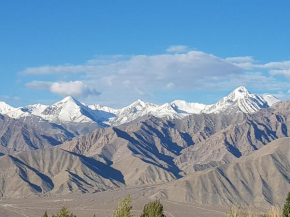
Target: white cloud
<point x="139" y="91"/>
<point x="247" y="62"/>
<point x="39" y="85"/>
<point x="285" y="72"/>
<point x="72" y="88"/>
<point x="277" y="65"/>
<point x="127" y="83"/>
<point x="46" y="70"/>
<point x="254" y="81"/>
<point x="10" y="98"/>
<point x="244" y="59"/>
<point x="125" y="78"/>
<point x="177" y="49"/>
<point x="156" y="71"/>
<point x="170" y="85"/>
<point x="244" y="62"/>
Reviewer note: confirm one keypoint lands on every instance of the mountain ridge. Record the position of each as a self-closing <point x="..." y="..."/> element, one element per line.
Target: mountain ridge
<point x="259" y="179"/>
<point x="69" y="110"/>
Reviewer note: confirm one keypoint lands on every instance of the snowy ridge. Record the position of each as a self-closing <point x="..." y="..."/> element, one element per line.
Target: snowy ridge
<point x="129" y="113"/>
<point x="188" y="107"/>
<point x="103" y="108"/>
<point x="11" y="111"/>
<point x="4" y="108"/>
<point x="35" y="109"/>
<point x="69" y="110"/>
<point x="241" y="100"/>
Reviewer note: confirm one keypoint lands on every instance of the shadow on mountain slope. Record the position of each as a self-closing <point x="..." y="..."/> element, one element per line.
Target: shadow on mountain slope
<point x="149" y="151"/>
<point x="100" y="168"/>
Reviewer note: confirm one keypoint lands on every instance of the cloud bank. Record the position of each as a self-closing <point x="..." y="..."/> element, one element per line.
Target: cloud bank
<point x="177" y="49"/>
<point x="72" y="88"/>
<point x="124" y="79"/>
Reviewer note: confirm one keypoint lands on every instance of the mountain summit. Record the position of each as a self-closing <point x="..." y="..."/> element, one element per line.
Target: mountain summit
<point x="241" y="100"/>
<point x="69" y="110"/>
<point x="240" y="92"/>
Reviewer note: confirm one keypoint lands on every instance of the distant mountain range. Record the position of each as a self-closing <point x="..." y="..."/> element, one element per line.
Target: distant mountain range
<point x="69" y="110"/>
<point x="213" y="154"/>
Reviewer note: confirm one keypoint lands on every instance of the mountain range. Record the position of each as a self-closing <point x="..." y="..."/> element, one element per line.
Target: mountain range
<point x="69" y="110"/>
<point x="235" y="151"/>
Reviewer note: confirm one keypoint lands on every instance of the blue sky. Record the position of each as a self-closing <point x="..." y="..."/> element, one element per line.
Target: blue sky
<point x="115" y="52"/>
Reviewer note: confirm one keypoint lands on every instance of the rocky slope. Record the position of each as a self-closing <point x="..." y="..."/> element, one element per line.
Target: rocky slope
<point x="149" y="147"/>
<point x="259" y="179"/>
<point x="54" y="171"/>
<point x="182" y="146"/>
<point x="23" y="134"/>
<point x="242" y="137"/>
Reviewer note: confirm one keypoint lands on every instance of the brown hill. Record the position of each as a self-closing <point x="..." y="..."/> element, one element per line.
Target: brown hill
<point x="256" y="180"/>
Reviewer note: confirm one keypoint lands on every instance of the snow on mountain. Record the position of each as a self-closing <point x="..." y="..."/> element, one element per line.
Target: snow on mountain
<point x="105" y="113"/>
<point x="138" y="107"/>
<point x="168" y="111"/>
<point x="241" y="100"/>
<point x="35" y="109"/>
<point x="11" y="111"/>
<point x="97" y="107"/>
<point x="270" y="99"/>
<point x="182" y="106"/>
<point x="129" y="113"/>
<point x="4" y="108"/>
<point x="69" y="110"/>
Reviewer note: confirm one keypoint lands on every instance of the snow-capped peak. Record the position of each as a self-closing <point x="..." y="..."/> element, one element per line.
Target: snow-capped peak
<point x="241" y="89"/>
<point x="69" y="110"/>
<point x="129" y="113"/>
<point x="4" y="108"/>
<point x="238" y="93"/>
<point x="240" y="100"/>
<point x="69" y="99"/>
<point x="137" y="106"/>
<point x="11" y="111"/>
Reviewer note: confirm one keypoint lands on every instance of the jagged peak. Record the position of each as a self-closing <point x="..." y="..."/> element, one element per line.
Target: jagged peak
<point x="238" y="93"/>
<point x="5" y="104"/>
<point x="242" y="90"/>
<point x="140" y="103"/>
<point x="68" y="98"/>
<point x="4" y="107"/>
